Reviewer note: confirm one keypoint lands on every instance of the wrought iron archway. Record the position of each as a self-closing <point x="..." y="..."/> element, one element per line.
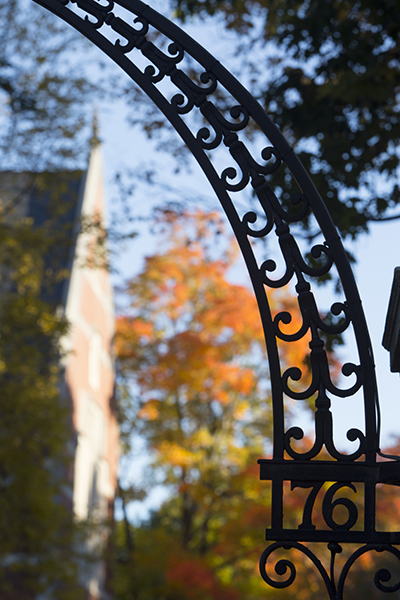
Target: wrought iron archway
<point x="122" y="29"/>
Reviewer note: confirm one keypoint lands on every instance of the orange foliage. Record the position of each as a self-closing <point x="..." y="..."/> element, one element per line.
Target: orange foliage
<point x="192" y="579"/>
<point x="193" y="345"/>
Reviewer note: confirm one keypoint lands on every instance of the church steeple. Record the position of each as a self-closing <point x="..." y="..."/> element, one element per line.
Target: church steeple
<point x="95" y="141"/>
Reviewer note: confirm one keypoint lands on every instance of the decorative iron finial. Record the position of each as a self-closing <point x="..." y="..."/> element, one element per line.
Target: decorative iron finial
<point x="95" y="140"/>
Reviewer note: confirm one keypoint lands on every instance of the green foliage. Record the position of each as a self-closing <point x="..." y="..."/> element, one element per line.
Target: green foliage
<point x="36" y="531"/>
<point x="43" y="130"/>
<point x="331" y="84"/>
<point x="42" y="549"/>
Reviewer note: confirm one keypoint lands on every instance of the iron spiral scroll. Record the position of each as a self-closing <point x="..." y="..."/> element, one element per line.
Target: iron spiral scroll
<point x="186" y="83"/>
<point x="286" y="569"/>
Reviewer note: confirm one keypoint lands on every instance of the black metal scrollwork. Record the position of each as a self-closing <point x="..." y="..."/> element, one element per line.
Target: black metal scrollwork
<point x="95" y="9"/>
<point x="212" y="127"/>
<point x="220" y="130"/>
<point x="284" y="566"/>
<point x="193" y="94"/>
<point x="134" y="37"/>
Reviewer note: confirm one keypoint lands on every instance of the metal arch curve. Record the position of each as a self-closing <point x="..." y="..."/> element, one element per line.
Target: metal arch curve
<point x="97" y="21"/>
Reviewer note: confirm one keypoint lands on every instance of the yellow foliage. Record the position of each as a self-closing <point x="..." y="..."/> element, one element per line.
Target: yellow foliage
<point x="193" y="343"/>
<point x="175" y="454"/>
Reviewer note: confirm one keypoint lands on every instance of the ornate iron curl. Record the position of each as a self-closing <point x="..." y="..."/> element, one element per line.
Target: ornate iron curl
<point x="127" y="41"/>
<point x="283" y="565"/>
<point x="335" y="592"/>
<point x="222" y="131"/>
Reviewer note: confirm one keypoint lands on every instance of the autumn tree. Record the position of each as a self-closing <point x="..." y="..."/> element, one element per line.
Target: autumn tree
<point x="191" y="347"/>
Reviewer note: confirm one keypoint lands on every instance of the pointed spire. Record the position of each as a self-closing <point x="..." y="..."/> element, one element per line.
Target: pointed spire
<point x="95" y="140"/>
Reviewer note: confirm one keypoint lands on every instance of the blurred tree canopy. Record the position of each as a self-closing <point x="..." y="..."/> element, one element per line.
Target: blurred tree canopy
<point x="45" y="104"/>
<point x="191" y="355"/>
<point x="327" y="72"/>
<point x="44" y="92"/>
<point x="331" y="87"/>
<point x="37" y="537"/>
<point x="191" y="351"/>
